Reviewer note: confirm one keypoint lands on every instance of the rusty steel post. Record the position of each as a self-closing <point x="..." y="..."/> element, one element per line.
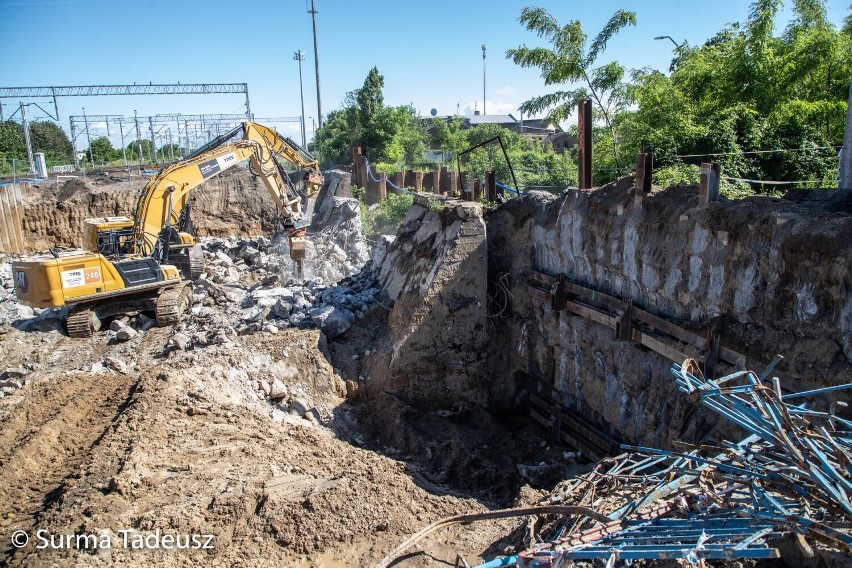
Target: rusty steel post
<point x="644" y="169"/>
<point x="491" y="182"/>
<point x="709" y="183"/>
<point x="584" y="129"/>
<point x="382" y="188"/>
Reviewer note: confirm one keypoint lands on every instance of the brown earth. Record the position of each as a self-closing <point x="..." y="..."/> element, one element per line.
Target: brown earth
<point x="233" y="203"/>
<point x="183" y="443"/>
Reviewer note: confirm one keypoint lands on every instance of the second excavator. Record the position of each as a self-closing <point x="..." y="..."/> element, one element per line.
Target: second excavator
<point x="148" y="262"/>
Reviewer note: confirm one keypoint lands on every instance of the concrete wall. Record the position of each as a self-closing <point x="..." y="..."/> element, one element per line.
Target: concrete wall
<point x="434" y="272"/>
<point x="770" y="277"/>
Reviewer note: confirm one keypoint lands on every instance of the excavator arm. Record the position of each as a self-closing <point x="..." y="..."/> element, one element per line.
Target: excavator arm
<point x="166" y="196"/>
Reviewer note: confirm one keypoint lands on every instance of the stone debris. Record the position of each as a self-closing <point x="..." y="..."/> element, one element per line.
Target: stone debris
<point x="256" y="290"/>
<point x="251" y="284"/>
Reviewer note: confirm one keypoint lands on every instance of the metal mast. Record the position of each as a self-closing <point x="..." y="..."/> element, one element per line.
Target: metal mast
<point x="313" y="13"/>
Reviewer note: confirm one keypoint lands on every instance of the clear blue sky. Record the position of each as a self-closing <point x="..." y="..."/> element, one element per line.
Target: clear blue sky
<point x="429" y="52"/>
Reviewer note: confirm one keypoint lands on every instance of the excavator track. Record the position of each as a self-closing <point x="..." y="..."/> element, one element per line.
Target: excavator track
<point x="196" y="262"/>
<point x="81" y="323"/>
<point x="173" y="303"/>
<point x="190" y="263"/>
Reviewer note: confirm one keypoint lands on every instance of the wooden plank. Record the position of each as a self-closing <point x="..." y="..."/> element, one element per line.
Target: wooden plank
<point x="579" y="434"/>
<point x="589" y="433"/>
<point x="588" y="450"/>
<point x="656" y="345"/>
<point x="17" y="215"/>
<point x="731" y="356"/>
<point x="6" y="219"/>
<point x="664" y="325"/>
<point x="572" y="418"/>
<point x="590" y="313"/>
<point x="4" y="226"/>
<point x="538" y="417"/>
<point x="725" y="354"/>
<point x="539" y="293"/>
<point x="593" y="295"/>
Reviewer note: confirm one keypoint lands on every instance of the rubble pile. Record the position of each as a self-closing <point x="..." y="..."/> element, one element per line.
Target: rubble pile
<point x="788" y="481"/>
<point x="250" y="286"/>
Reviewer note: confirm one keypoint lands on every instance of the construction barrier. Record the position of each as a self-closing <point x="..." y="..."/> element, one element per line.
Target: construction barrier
<point x="11" y="217"/>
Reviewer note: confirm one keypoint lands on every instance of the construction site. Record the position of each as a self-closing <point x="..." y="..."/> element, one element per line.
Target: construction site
<point x="614" y="373"/>
<point x="612" y="327"/>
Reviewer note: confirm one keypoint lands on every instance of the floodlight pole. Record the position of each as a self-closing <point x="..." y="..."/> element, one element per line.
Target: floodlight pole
<point x="89" y="140"/>
<point x="483" y="80"/>
<point x="26" y="126"/>
<point x="300" y="56"/>
<point x="313" y="13"/>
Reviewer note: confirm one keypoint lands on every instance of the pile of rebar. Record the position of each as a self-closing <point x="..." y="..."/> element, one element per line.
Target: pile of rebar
<point x="789" y="479"/>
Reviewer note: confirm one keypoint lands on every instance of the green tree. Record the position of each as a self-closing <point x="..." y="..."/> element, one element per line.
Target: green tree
<point x="371" y="102"/>
<point x="392" y="135"/>
<point x="570" y="60"/>
<point x="101" y="150"/>
<point x="133" y="149"/>
<point x="333" y="143"/>
<point x="402" y="136"/>
<point x="49" y="138"/>
<point x="12" y="140"/>
<point x="748" y="88"/>
<point x="533" y="164"/>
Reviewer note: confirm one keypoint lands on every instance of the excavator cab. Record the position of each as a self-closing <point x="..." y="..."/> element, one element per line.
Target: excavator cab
<point x="110" y="236"/>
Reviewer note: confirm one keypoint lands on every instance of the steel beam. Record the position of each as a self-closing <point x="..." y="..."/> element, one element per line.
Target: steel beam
<point x="150" y="89"/>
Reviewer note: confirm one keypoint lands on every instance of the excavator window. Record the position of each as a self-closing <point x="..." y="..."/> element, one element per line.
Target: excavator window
<point x="115" y="242"/>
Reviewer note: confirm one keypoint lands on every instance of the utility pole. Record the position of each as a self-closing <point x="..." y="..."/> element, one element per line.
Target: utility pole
<point x="74" y="144"/>
<point x="153" y="144"/>
<point x="483" y="80"/>
<point x="89" y="140"/>
<point x="846" y="151"/>
<point x="26" y="126"/>
<point x="138" y="139"/>
<point x="123" y="148"/>
<point x="300" y="56"/>
<point x="313" y="13"/>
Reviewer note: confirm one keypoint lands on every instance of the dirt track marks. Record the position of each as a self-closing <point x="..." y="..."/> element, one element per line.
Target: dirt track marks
<point x="47" y="441"/>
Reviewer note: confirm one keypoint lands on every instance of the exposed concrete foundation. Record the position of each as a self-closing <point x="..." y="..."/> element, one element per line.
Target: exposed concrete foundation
<point x="435" y="272"/>
<point x="767" y="276"/>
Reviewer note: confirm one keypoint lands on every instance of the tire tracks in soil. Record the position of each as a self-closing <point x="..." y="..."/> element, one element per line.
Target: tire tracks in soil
<point x="45" y="443"/>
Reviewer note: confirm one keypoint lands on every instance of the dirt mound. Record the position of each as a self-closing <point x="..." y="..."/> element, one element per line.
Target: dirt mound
<point x="235" y="203"/>
<point x="69" y="188"/>
<point x="186" y="444"/>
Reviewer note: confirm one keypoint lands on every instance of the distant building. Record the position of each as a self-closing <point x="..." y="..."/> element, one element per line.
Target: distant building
<point x="537" y="129"/>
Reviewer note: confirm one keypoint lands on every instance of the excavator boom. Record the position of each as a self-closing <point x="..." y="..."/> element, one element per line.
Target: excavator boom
<point x="166" y="196"/>
<point x="148" y="261"/>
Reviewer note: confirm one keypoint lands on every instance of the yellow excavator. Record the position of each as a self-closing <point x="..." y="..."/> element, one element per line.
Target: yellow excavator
<point x="148" y="262"/>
